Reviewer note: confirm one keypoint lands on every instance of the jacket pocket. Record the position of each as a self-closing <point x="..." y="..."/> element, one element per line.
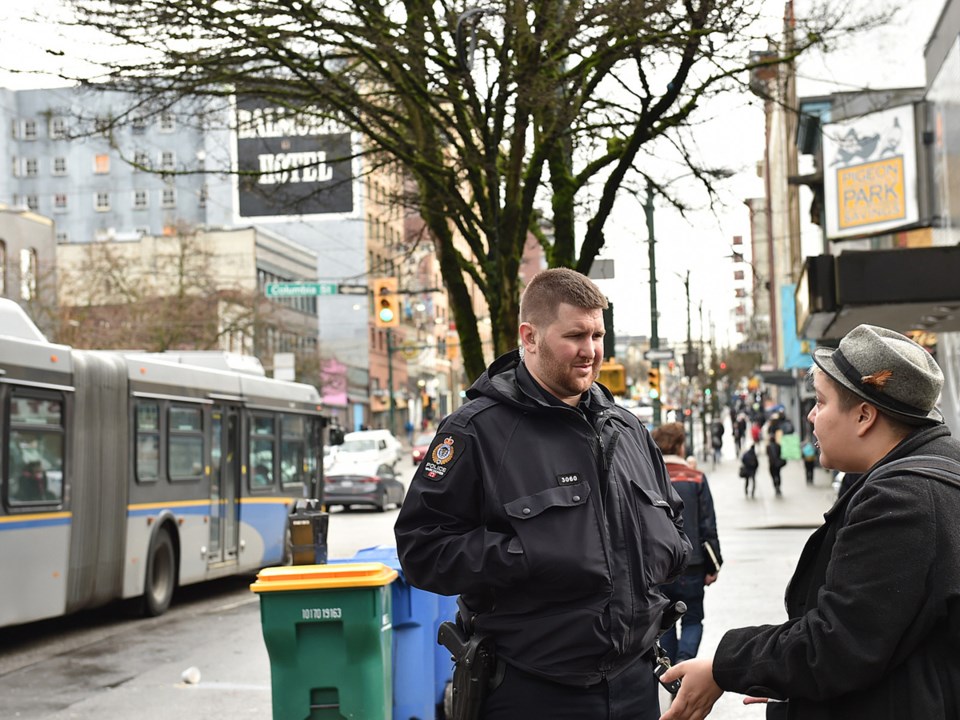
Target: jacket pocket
<point x="652" y="497"/>
<point x="561" y="539"/>
<point x="558" y="497"/>
<point x="663" y="550"/>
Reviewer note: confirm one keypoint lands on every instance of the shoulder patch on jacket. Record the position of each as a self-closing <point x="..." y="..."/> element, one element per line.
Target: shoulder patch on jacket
<point x="444" y="452"/>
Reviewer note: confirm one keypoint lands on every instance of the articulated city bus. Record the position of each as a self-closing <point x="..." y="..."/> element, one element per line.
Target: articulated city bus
<point x="127" y="474"/>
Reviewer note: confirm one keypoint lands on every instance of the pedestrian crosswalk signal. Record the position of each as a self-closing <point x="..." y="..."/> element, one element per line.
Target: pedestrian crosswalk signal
<point x="386" y="303"/>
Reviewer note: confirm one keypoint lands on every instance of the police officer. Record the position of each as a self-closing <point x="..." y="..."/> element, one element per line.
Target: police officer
<point x="548" y="509"/>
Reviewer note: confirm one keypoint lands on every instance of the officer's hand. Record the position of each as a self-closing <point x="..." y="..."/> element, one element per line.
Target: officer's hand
<point x="710" y="579"/>
<point x="698" y="692"/>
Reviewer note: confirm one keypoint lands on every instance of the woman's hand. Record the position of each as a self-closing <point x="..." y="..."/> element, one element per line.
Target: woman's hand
<point x="698" y="691"/>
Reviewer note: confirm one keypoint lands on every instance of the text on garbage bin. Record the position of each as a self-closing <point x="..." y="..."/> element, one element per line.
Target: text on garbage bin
<point x="321" y="613"/>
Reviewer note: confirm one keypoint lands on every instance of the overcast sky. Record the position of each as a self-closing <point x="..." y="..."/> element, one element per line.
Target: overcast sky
<point x="733" y="138"/>
<point x="892" y="57"/>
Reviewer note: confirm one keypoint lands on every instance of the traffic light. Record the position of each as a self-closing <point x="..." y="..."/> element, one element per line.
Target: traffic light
<point x="653" y="380"/>
<point x="386" y="303"/>
<point x="613" y="376"/>
<point x="453" y="345"/>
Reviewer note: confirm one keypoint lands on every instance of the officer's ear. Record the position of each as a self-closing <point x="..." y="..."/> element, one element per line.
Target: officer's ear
<point x="528" y="337"/>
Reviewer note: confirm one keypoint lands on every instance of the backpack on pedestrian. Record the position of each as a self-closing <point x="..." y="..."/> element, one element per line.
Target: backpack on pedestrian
<point x="749" y="463"/>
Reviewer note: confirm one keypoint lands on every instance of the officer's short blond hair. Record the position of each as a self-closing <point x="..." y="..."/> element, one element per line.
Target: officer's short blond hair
<point x="542" y="297"/>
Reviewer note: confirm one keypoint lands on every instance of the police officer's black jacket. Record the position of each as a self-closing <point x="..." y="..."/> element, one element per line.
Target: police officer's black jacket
<point x="556" y="526"/>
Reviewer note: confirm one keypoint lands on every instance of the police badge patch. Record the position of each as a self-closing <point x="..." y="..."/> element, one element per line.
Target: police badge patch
<point x="445" y="450"/>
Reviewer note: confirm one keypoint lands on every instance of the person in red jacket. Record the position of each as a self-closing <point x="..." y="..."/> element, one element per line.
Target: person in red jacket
<point x="873" y="628"/>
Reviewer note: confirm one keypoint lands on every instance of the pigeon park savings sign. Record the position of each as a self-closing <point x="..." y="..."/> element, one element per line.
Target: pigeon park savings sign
<point x="870" y="173"/>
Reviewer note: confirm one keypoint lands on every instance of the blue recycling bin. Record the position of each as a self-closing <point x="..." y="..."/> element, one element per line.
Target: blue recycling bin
<point x="421" y="667"/>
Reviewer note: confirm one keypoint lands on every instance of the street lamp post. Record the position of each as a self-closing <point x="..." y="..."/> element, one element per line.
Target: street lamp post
<point x="690" y="450"/>
<point x="392" y="413"/>
<point x="654" y="332"/>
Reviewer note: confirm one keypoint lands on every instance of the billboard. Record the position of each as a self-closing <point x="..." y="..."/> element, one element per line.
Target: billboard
<point x="291" y="163"/>
<point x="870" y="173"/>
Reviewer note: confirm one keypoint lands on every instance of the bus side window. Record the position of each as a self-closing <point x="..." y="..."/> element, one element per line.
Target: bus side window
<point x="148" y="442"/>
<point x="185" y="443"/>
<point x="292" y="442"/>
<point x="36" y="450"/>
<point x="262" y="440"/>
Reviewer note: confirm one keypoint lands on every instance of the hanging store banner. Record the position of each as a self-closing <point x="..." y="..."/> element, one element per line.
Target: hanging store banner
<point x="870" y="173"/>
<point x="291" y="163"/>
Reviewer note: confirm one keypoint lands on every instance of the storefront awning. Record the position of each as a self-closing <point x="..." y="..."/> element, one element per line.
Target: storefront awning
<point x="903" y="289"/>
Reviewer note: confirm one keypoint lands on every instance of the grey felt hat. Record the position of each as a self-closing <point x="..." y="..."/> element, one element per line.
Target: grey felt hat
<point x="888" y="370"/>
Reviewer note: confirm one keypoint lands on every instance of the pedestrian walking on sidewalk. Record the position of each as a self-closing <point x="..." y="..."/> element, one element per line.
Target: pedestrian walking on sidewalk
<point x="739" y="431"/>
<point x="748" y="471"/>
<point x="547" y="507"/>
<point x="700" y="525"/>
<point x="716" y="440"/>
<point x="775" y="462"/>
<point x="874" y="619"/>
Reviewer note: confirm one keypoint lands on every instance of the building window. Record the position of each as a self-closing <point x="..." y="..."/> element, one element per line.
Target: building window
<point x="28" y="274"/>
<point x="167" y="160"/>
<point x="31" y="167"/>
<point x="141" y="160"/>
<point x="202" y="199"/>
<point x="139" y="124"/>
<point x="29" y="129"/>
<point x="140" y="199"/>
<point x="60" y="202"/>
<point x="167" y="123"/>
<point x="59" y="166"/>
<point x="3" y="268"/>
<point x="101" y="202"/>
<point x="62" y="238"/>
<point x="58" y="128"/>
<point x="33" y="203"/>
<point x="101" y="164"/>
<point x="169" y="198"/>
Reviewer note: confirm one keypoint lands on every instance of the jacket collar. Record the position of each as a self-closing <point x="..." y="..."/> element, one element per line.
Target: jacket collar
<point x="502" y="381"/>
<point x="910" y="445"/>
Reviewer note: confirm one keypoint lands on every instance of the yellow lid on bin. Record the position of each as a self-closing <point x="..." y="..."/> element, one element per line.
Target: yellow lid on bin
<point x="322" y="577"/>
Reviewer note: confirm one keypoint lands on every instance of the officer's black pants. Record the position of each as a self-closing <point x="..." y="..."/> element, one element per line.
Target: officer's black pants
<point x="631" y="695"/>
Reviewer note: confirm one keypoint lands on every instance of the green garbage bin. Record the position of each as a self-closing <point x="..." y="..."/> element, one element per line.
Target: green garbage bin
<point x="328" y="633"/>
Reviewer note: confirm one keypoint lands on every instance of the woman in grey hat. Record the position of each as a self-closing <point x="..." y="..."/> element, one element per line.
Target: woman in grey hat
<point x="874" y="603"/>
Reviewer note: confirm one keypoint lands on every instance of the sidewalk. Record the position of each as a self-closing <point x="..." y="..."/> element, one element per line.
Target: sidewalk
<point x="761" y="540"/>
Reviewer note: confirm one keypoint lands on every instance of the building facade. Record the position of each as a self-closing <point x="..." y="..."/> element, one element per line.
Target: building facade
<point x="184" y="291"/>
<point x="108" y="169"/>
<point x="28" y="264"/>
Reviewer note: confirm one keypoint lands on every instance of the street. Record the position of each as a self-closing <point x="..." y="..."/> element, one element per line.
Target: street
<point x="106" y="665"/>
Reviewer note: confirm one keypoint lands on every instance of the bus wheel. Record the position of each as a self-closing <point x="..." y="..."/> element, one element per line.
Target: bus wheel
<point x="161" y="576"/>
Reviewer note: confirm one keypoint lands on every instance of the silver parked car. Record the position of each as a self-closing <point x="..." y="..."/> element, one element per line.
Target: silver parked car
<point x="372" y="486"/>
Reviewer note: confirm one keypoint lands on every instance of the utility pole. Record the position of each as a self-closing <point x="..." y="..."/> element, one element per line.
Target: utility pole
<point x="690" y="450"/>
<point x="654" y="333"/>
<point x="390" y="417"/>
<point x="703" y="400"/>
